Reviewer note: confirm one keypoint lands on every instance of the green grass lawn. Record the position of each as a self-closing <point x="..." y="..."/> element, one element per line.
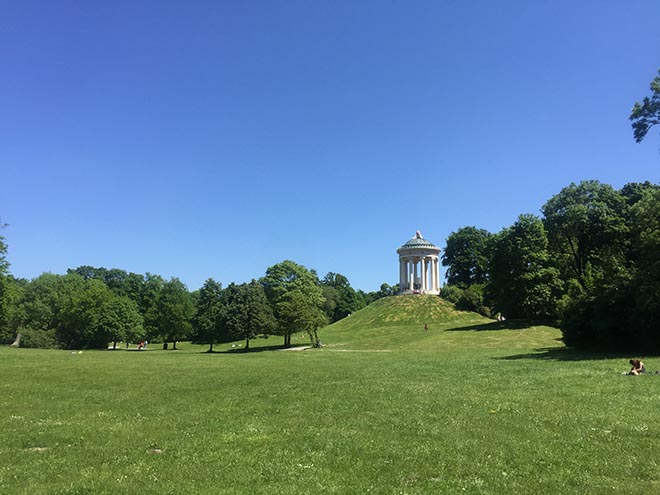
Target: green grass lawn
<point x="471" y="406"/>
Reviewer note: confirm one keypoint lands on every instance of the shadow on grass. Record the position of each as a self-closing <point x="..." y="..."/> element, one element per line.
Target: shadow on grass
<point x="266" y="348"/>
<point x="565" y="354"/>
<point x="493" y="325"/>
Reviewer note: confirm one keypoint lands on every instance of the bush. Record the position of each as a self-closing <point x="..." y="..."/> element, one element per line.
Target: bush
<point x="470" y="299"/>
<point x="451" y="293"/>
<point x="38" y="339"/>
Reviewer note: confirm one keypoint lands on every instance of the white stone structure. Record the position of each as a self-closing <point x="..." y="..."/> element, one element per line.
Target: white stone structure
<point x="418" y="266"/>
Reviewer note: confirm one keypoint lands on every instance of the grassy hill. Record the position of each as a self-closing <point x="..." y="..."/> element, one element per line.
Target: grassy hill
<point x="397" y="323"/>
<point x="471" y="406"/>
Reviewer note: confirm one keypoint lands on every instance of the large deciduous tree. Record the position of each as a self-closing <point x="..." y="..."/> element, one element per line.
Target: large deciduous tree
<point x="466" y="256"/>
<point x="174" y="310"/>
<point x="646" y="114"/>
<point x="586" y="229"/>
<point x="291" y="288"/>
<point x="645" y="220"/>
<point x="340" y="298"/>
<point x="207" y="322"/>
<point x="522" y="282"/>
<point x="119" y="320"/>
<point x="78" y="326"/>
<point x="247" y="312"/>
<point x="4" y="287"/>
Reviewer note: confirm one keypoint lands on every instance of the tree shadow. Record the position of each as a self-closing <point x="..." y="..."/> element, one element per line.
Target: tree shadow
<point x="493" y="325"/>
<point x="266" y="348"/>
<point x="565" y="354"/>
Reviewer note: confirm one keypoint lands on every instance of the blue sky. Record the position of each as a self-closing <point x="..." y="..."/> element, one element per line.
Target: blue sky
<point x="214" y="139"/>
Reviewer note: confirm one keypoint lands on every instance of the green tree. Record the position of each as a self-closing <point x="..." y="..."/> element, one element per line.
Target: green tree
<point x="174" y="311"/>
<point x="522" y="282"/>
<point x="37" y="312"/>
<point x="586" y="230"/>
<point x="645" y="221"/>
<point x="148" y="303"/>
<point x="280" y="282"/>
<point x="207" y="322"/>
<point x="119" y="319"/>
<point x="247" y="312"/>
<point x="79" y="317"/>
<point x="118" y="281"/>
<point x="466" y="256"/>
<point x="646" y="114"/>
<point x="302" y="312"/>
<point x="341" y="298"/>
<point x="606" y="308"/>
<point x="4" y="287"/>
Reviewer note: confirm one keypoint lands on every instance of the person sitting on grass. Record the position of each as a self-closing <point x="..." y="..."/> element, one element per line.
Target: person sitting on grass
<point x="637" y="367"/>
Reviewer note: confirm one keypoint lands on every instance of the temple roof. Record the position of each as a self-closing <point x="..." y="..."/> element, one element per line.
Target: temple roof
<point x="418" y="242"/>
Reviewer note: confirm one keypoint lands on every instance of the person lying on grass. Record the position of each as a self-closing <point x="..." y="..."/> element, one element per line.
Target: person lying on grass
<point x="637" y="367"/>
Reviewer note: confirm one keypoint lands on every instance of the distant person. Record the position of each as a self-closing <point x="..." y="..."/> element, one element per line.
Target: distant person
<point x="426" y="327"/>
<point x="637" y="367"/>
<point x="140" y="345"/>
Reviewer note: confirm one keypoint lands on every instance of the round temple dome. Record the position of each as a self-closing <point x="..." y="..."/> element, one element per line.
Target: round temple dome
<point x="418" y="242"/>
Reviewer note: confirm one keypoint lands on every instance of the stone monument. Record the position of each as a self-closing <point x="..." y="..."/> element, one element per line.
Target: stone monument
<point x="418" y="266"/>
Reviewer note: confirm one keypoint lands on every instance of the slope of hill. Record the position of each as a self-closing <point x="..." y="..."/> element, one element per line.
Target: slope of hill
<point x="397" y="323"/>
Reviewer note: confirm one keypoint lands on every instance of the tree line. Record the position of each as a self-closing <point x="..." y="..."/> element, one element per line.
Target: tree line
<point x="92" y="307"/>
<point x="590" y="264"/>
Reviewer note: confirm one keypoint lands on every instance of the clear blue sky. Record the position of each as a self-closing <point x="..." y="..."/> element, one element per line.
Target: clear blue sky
<point x="214" y="139"/>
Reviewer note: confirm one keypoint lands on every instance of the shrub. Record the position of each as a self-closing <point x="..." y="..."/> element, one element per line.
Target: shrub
<point x="38" y="339"/>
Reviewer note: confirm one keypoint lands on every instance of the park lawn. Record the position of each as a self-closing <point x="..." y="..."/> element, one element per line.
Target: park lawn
<point x="471" y="406"/>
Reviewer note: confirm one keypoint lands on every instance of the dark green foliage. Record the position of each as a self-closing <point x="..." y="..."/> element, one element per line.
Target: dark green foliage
<point x="79" y="318"/>
<point x="4" y="288"/>
<point x="120" y="320"/>
<point x="38" y="339"/>
<point x="340" y="298"/>
<point x="472" y="299"/>
<point x="645" y="226"/>
<point x="522" y="284"/>
<point x="466" y="256"/>
<point x="247" y="312"/>
<point x="149" y="296"/>
<point x="614" y="305"/>
<point x="451" y="293"/>
<point x="469" y="299"/>
<point x="173" y="312"/>
<point x="586" y="229"/>
<point x="297" y="300"/>
<point x="646" y="114"/>
<point x="301" y="311"/>
<point x="386" y="290"/>
<point x="207" y="325"/>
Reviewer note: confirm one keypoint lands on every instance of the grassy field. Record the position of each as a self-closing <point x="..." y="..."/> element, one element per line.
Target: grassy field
<point x="469" y="406"/>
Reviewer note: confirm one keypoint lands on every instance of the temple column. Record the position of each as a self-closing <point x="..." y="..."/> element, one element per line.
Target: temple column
<point x="423" y="265"/>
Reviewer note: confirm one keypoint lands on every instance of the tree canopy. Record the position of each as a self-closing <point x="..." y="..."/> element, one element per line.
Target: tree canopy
<point x="646" y="114"/>
<point x="466" y="256"/>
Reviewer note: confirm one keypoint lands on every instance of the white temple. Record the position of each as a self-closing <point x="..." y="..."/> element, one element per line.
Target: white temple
<point x="418" y="266"/>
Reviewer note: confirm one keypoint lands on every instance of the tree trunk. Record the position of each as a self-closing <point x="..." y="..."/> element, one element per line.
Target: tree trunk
<point x="247" y="344"/>
<point x="174" y="345"/>
<point x="211" y="346"/>
<point x="114" y="345"/>
<point x="17" y="342"/>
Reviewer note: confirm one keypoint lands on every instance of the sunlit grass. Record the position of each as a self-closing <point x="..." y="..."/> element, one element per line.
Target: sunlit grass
<point x="471" y="406"/>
